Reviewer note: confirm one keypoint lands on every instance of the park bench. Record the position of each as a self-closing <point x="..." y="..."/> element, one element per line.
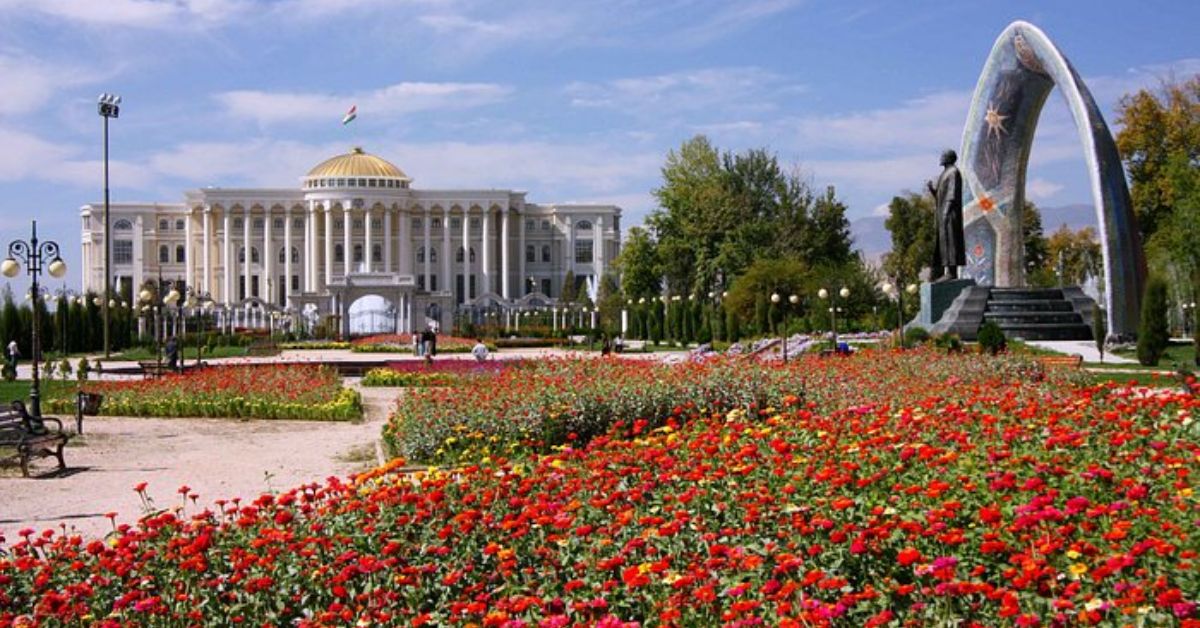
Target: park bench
<point x="634" y="345"/>
<point x="262" y="349"/>
<point x="1061" y="360"/>
<point x="30" y="437"/>
<point x="154" y="368"/>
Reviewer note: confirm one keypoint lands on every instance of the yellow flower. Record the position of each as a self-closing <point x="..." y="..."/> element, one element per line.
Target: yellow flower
<point x="1072" y="554"/>
<point x="1077" y="570"/>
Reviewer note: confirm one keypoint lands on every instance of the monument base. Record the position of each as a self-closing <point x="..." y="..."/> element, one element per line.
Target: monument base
<point x="951" y="306"/>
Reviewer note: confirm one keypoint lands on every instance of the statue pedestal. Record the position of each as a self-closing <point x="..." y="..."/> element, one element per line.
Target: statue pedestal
<point x="937" y="297"/>
<point x="952" y="306"/>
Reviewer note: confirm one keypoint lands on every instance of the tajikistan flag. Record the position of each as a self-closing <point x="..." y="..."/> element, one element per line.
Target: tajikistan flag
<point x="350" y="115"/>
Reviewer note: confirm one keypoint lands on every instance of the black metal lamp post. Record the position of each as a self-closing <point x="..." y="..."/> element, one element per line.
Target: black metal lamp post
<point x="108" y="106"/>
<point x="198" y="301"/>
<point x="844" y="293"/>
<point x="33" y="253"/>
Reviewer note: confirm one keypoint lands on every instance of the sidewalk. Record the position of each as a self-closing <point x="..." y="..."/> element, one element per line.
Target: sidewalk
<point x="1085" y="348"/>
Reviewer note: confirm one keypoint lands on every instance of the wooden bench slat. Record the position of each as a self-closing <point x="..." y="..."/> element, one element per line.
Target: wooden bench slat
<point x="20" y="431"/>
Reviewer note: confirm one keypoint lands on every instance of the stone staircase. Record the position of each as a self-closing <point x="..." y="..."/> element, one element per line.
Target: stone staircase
<point x="1040" y="313"/>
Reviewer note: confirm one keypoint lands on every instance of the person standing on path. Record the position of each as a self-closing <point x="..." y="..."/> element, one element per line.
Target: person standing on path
<point x="13" y="354"/>
<point x="480" y="350"/>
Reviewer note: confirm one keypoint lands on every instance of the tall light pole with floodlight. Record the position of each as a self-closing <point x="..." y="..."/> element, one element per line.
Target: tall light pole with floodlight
<point x="108" y="106"/>
<point x="33" y="253"/>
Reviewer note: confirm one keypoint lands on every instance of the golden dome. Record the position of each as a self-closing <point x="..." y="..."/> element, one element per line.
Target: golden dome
<point x="356" y="163"/>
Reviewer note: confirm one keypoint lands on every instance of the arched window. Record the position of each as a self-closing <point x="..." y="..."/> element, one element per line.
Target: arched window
<point x="295" y="255"/>
<point x="164" y="254"/>
<point x="339" y="254"/>
<point x="253" y="255"/>
<point x="583" y="225"/>
<point x="358" y="253"/>
<point x="282" y="256"/>
<point x="376" y="253"/>
<point x="421" y="255"/>
<point x="530" y="253"/>
<point x="180" y="254"/>
<point x="546" y="253"/>
<point x="164" y="224"/>
<point x="122" y="225"/>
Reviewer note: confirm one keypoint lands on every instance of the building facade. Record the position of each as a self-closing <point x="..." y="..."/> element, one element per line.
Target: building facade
<point x="356" y="227"/>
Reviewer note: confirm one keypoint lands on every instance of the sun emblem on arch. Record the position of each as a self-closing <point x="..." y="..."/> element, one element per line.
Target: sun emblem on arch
<point x="995" y="121"/>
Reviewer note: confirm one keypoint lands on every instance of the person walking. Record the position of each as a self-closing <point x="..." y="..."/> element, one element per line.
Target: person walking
<point x="172" y="349"/>
<point x="12" y="354"/>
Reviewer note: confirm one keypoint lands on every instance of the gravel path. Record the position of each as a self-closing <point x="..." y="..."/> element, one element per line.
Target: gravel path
<point x="217" y="458"/>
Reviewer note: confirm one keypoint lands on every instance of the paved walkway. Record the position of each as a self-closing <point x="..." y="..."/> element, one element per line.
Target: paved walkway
<point x="1085" y="348"/>
<point x="216" y="458"/>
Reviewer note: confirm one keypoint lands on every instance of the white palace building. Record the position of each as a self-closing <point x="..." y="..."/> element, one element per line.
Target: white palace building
<point x="356" y="227"/>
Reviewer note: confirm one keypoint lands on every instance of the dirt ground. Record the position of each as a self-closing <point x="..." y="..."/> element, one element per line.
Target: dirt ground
<point x="216" y="458"/>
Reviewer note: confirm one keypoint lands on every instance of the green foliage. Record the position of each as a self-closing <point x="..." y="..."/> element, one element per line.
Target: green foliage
<point x="1035" y="246"/>
<point x="1153" y="335"/>
<point x="951" y="343"/>
<point x="914" y="336"/>
<point x="639" y="265"/>
<point x="82" y="371"/>
<point x="569" y="292"/>
<point x="913" y="226"/>
<point x="991" y="338"/>
<point x="733" y="326"/>
<point x="1099" y="330"/>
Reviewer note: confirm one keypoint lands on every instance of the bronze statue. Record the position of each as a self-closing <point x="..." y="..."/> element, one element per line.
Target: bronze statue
<point x="950" y="251"/>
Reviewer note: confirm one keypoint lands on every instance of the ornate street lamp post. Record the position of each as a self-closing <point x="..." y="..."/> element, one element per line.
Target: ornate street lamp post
<point x="108" y="106"/>
<point x="33" y="253"/>
<point x="825" y="294"/>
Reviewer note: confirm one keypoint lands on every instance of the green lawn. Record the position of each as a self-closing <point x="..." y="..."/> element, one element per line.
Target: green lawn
<point x="187" y="353"/>
<point x="1177" y="353"/>
<point x="19" y="389"/>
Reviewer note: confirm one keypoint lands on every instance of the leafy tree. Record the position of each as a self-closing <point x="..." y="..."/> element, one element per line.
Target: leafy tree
<point x="569" y="292"/>
<point x="1158" y="129"/>
<point x="1152" y="326"/>
<point x="1080" y="256"/>
<point x="828" y="238"/>
<point x="639" y="264"/>
<point x="913" y="225"/>
<point x="610" y="304"/>
<point x="1034" y="240"/>
<point x="750" y="295"/>
<point x="691" y="197"/>
<point x="733" y="326"/>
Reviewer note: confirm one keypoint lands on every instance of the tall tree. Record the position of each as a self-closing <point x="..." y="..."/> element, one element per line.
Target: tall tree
<point x="1158" y="129"/>
<point x="913" y="226"/>
<point x="639" y="265"/>
<point x="570" y="293"/>
<point x="828" y="235"/>
<point x="691" y="196"/>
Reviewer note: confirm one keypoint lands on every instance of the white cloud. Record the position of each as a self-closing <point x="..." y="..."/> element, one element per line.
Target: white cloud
<point x="729" y="17"/>
<point x="133" y="13"/>
<point x="27" y="83"/>
<point x="723" y="91"/>
<point x="1040" y="190"/>
<point x="387" y="102"/>
<point x="29" y="157"/>
<point x="883" y="210"/>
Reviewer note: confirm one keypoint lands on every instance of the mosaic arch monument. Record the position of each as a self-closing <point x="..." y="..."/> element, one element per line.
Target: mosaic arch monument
<point x="1023" y="67"/>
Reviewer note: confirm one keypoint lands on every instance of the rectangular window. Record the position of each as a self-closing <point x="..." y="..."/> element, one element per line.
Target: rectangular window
<point x="298" y="224"/>
<point x="353" y="183"/>
<point x="358" y="223"/>
<point x="583" y="251"/>
<point x="421" y="282"/>
<point x="179" y="225"/>
<point x="474" y="223"/>
<point x="376" y="224"/>
<point x="416" y="223"/>
<point x="258" y="224"/>
<point x="455" y="223"/>
<point x="362" y="183"/>
<point x="437" y="223"/>
<point x="295" y="283"/>
<point x="545" y="225"/>
<point x="254" y="285"/>
<point x="546" y="254"/>
<point x="122" y="251"/>
<point x="277" y="224"/>
<point x="546" y="287"/>
<point x="433" y="283"/>
<point x="529" y="224"/>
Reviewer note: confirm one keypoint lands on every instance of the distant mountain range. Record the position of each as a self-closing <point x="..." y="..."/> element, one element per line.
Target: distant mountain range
<point x="873" y="239"/>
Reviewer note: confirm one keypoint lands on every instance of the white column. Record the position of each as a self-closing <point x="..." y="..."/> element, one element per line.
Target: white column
<point x="569" y="260"/>
<point x="505" y="247"/>
<point x="268" y="260"/>
<point x="139" y="259"/>
<point x="367" y="216"/>
<point x="189" y="247"/>
<point x="328" y="244"/>
<point x="387" y="240"/>
<point x="346" y="252"/>
<point x="246" y="245"/>
<point x="310" y="246"/>
<point x="427" y="244"/>
<point x="227" y="262"/>
<point x="598" y="248"/>
<point x="286" y="288"/>
<point x="485" y="270"/>
<point x="447" y="254"/>
<point x="206" y="216"/>
<point x="404" y="242"/>
<point x="466" y="244"/>
<point x="521" y="279"/>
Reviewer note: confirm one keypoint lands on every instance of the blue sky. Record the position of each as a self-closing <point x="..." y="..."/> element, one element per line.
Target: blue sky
<point x="569" y="100"/>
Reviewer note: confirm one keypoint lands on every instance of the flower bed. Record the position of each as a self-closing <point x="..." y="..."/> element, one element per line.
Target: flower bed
<point x="314" y="345"/>
<point x="936" y="493"/>
<point x="412" y="373"/>
<point x="385" y="377"/>
<point x="402" y="343"/>
<point x="307" y="392"/>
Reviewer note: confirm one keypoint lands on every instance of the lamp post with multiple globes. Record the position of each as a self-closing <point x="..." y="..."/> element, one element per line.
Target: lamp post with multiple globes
<point x="844" y="293"/>
<point x="893" y="290"/>
<point x="33" y="253"/>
